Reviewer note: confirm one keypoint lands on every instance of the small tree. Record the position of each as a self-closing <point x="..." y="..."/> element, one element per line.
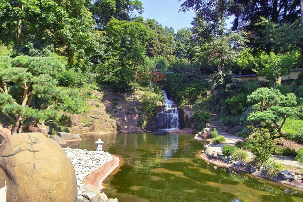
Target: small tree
<point x="271" y="108"/>
<point x="20" y="85"/>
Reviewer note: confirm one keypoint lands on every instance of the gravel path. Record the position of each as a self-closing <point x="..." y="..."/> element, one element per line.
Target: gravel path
<point x="85" y="162"/>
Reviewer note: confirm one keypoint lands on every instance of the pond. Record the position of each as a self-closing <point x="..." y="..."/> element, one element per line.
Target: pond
<point x="167" y="168"/>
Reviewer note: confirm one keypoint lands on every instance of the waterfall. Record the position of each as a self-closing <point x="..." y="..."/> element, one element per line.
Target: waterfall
<point x="168" y="118"/>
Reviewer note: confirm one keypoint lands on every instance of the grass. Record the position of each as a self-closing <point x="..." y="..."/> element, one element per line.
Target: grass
<point x="294" y="129"/>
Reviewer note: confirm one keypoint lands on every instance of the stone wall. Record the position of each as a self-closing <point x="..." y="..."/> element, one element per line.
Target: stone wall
<point x="186" y="116"/>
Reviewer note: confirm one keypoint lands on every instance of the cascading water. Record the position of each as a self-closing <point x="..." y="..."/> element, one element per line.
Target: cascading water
<point x="168" y="118"/>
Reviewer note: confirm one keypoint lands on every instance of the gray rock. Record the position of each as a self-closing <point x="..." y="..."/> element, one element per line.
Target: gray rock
<point x="239" y="163"/>
<point x="251" y="169"/>
<point x="285" y="174"/>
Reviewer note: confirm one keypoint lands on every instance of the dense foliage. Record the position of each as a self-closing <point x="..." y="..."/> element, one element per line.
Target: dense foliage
<point x="49" y="50"/>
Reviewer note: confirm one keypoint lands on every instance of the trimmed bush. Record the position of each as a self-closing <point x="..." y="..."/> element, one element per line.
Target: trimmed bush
<point x="228" y="150"/>
<point x="219" y="139"/>
<point x="214" y="133"/>
<point x="272" y="168"/>
<point x="262" y="146"/>
<point x="239" y="155"/>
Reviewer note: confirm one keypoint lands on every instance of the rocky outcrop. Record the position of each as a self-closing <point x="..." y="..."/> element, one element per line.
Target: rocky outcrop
<point x="37" y="169"/>
<point x="111" y="113"/>
<point x="186" y="116"/>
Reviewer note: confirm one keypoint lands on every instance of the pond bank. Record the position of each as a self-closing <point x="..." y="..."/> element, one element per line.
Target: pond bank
<point x="214" y="151"/>
<point x="243" y="169"/>
<point x="91" y="168"/>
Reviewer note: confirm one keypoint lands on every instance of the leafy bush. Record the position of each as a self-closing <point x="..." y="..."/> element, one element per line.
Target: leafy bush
<point x="200" y="119"/>
<point x="284" y="89"/>
<point x="228" y="150"/>
<point x="219" y="139"/>
<point x="237" y="103"/>
<point x="299" y="156"/>
<point x="72" y="78"/>
<point x="5" y="62"/>
<point x="262" y="146"/>
<point x="232" y="121"/>
<point x="299" y="91"/>
<point x="148" y="106"/>
<point x="214" y="133"/>
<point x="272" y="168"/>
<point x="239" y="155"/>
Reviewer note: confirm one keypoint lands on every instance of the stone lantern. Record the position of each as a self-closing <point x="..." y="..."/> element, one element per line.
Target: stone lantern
<point x="99" y="144"/>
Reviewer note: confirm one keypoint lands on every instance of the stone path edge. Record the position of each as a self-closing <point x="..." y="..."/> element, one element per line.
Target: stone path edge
<point x="95" y="178"/>
<point x="295" y="184"/>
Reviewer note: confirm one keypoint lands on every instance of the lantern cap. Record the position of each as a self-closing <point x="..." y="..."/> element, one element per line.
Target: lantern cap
<point x="99" y="141"/>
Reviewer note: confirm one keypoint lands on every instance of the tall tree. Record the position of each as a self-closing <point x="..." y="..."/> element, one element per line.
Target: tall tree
<point x="104" y="10"/>
<point x="161" y="40"/>
<point x="185" y="44"/>
<point x="125" y="51"/>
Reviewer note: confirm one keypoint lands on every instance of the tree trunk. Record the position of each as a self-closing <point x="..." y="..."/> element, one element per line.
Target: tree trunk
<point x="19" y="29"/>
<point x="16" y="126"/>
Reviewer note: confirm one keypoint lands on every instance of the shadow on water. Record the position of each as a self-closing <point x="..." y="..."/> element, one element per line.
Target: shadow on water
<point x="165" y="168"/>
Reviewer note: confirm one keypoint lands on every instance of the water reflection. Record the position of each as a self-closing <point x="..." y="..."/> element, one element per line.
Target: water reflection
<point x="165" y="168"/>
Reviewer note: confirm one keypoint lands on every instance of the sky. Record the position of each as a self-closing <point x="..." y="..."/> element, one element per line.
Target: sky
<point x="167" y="13"/>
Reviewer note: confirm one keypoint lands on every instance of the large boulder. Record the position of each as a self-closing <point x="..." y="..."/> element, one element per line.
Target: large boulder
<point x="37" y="169"/>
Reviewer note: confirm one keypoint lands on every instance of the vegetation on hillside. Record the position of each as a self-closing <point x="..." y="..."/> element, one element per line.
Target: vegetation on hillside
<point x="75" y="44"/>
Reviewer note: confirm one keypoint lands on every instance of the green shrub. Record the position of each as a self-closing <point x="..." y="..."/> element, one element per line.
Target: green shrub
<point x="272" y="168"/>
<point x="228" y="150"/>
<point x="219" y="139"/>
<point x="299" y="156"/>
<point x="5" y="62"/>
<point x="299" y="91"/>
<point x="262" y="146"/>
<point x="239" y="155"/>
<point x="200" y="119"/>
<point x="214" y="133"/>
<point x="284" y="89"/>
<point x="233" y="121"/>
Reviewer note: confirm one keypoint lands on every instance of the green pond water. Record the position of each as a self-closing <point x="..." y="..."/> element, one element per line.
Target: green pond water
<point x="167" y="168"/>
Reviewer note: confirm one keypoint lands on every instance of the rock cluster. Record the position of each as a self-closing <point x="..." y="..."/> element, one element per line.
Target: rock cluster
<point x="85" y="162"/>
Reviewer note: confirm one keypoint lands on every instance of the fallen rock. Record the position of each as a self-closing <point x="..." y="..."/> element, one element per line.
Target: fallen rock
<point x="38" y="169"/>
